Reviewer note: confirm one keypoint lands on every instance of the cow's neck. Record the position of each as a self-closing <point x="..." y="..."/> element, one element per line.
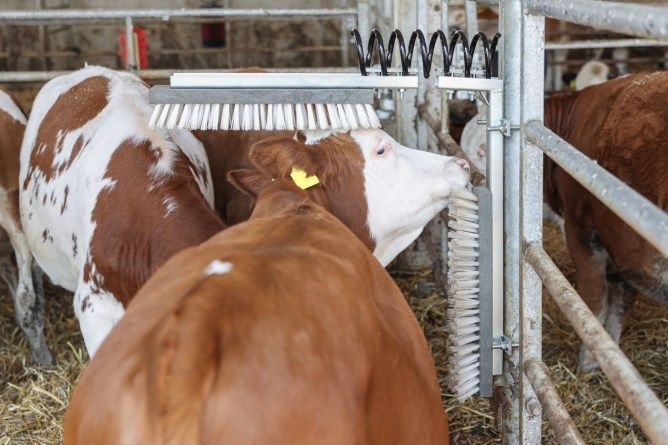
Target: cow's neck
<point x="558" y="112"/>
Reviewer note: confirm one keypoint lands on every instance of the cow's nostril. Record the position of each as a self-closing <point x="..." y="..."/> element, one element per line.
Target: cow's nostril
<point x="463" y="164"/>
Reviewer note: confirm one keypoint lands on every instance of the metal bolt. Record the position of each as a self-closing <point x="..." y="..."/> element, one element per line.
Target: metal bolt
<point x="401" y="93"/>
<point x="471" y="96"/>
<point x="451" y="94"/>
<point x="533" y="406"/>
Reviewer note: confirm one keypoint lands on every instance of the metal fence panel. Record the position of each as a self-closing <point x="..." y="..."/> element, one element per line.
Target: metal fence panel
<point x="637" y="211"/>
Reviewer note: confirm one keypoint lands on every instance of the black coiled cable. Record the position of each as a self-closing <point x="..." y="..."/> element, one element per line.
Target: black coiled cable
<point x="426" y="51"/>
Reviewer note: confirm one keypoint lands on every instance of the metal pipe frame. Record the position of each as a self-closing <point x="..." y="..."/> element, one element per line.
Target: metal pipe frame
<point x="632" y="19"/>
<point x="556" y="412"/>
<point x="531" y="215"/>
<point x="157" y="74"/>
<point x="488" y="2"/>
<point x="642" y="215"/>
<point x="166" y="14"/>
<point x="611" y="43"/>
<point x="645" y="406"/>
<point x="510" y="66"/>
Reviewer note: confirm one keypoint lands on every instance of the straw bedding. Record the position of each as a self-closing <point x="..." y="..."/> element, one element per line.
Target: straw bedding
<point x="33" y="400"/>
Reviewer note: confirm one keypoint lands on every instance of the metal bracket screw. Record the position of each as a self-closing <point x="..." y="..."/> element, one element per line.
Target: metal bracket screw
<point x="533" y="406"/>
<point x="504" y="128"/>
<point x="505" y="344"/>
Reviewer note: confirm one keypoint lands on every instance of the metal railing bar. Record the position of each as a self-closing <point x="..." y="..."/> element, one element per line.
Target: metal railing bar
<point x="645" y="406"/>
<point x="642" y="215"/>
<point x="166" y="14"/>
<point x="601" y="43"/>
<point x="563" y="425"/>
<point x="156" y="74"/>
<point x="488" y="2"/>
<point x="632" y="19"/>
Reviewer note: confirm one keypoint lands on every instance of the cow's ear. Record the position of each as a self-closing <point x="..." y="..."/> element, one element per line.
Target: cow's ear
<point x="277" y="156"/>
<point x="249" y="182"/>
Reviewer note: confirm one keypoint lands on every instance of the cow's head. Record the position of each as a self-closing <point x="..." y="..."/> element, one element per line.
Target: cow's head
<point x="384" y="192"/>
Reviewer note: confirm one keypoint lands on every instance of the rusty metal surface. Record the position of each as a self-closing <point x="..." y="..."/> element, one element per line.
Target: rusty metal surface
<point x="645" y="406"/>
<point x="551" y="403"/>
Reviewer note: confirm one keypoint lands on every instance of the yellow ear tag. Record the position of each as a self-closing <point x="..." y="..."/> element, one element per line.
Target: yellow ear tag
<point x="302" y="180"/>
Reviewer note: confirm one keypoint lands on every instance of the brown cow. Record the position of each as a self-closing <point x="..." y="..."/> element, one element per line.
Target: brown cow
<point x="403" y="188"/>
<point x="623" y="125"/>
<point x="28" y="299"/>
<point x="283" y="329"/>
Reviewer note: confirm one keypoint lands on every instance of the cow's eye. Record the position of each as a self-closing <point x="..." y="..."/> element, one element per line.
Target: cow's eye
<point x="380" y="151"/>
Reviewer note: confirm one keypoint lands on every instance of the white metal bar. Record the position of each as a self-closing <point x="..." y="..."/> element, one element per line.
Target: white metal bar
<point x="554" y="408"/>
<point x="445" y="108"/>
<point x="45" y="76"/>
<point x="611" y="43"/>
<point x="642" y="215"/>
<point x="629" y="384"/>
<point x="632" y="19"/>
<point x="495" y="183"/>
<point x="166" y="14"/>
<point x="469" y="83"/>
<point x="531" y="216"/>
<point x="289" y="80"/>
<point x="510" y="66"/>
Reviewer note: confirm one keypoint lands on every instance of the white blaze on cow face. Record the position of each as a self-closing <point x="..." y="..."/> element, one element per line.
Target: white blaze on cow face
<point x="405" y="188"/>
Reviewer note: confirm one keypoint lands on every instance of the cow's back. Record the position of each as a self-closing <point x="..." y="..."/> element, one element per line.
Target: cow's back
<point x="623" y="125"/>
<point x="264" y="336"/>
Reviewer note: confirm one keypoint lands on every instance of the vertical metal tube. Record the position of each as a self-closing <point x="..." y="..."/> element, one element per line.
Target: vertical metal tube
<point x="531" y="209"/>
<point x="510" y="58"/>
<point x="228" y="37"/>
<point x="495" y="184"/>
<point x="471" y="10"/>
<point x="130" y="44"/>
<point x="445" y="108"/>
<point x="363" y="19"/>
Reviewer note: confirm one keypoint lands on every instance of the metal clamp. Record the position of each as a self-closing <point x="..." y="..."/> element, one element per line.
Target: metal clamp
<point x="504" y="128"/>
<point x="505" y="344"/>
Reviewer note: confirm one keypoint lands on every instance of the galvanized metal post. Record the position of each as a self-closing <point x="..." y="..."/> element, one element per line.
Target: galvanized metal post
<point x="445" y="108"/>
<point x="511" y="14"/>
<point x="363" y="19"/>
<point x="130" y="44"/>
<point x="531" y="209"/>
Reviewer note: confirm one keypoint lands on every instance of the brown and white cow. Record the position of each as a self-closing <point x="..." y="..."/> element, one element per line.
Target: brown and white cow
<point x="105" y="200"/>
<point x="623" y="125"/>
<point x="28" y="299"/>
<point x="383" y="191"/>
<point x="283" y="329"/>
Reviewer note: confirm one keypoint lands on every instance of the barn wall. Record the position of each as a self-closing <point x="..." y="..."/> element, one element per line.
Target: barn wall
<point x="264" y="42"/>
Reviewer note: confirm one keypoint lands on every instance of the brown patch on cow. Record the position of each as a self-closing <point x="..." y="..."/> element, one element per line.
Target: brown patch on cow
<point x="10" y="150"/>
<point x="338" y="163"/>
<point x="74" y="245"/>
<point x="45" y="235"/>
<point x="72" y="110"/>
<point x="126" y="252"/>
<point x="336" y="158"/>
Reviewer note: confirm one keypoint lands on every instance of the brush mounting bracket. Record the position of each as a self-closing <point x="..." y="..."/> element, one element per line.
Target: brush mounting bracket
<point x="426" y="51"/>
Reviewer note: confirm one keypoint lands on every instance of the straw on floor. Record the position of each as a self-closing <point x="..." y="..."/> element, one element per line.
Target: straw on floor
<point x="33" y="400"/>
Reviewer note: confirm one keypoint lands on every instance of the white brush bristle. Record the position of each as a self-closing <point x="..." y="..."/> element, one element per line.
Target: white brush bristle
<point x="264" y="116"/>
<point x="463" y="318"/>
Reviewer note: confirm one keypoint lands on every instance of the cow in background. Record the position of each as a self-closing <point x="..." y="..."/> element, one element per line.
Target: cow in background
<point x="28" y="298"/>
<point x="623" y="125"/>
